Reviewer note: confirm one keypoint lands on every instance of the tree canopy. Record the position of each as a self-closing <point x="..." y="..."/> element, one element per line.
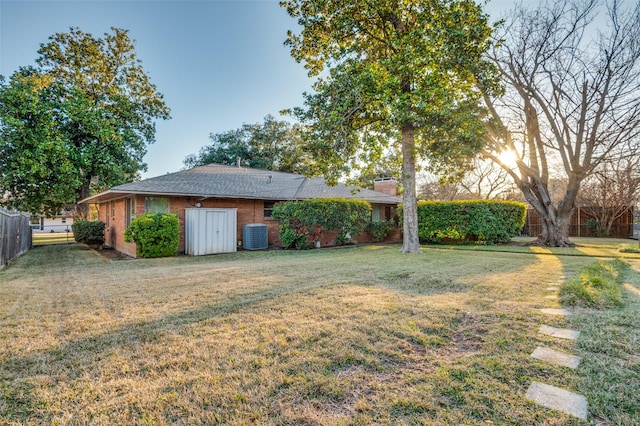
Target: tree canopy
<point x="389" y="165"/>
<point x="79" y="120"/>
<point x="271" y="145"/>
<point x="391" y="72"/>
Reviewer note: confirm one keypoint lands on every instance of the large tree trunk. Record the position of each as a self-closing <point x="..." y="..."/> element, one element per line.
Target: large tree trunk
<point x="555" y="230"/>
<point x="82" y="210"/>
<point x="555" y="221"/>
<point x="410" y="240"/>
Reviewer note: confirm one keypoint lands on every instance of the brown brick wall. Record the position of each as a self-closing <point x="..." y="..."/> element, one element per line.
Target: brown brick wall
<point x="386" y="186"/>
<point x="249" y="211"/>
<point x="112" y="213"/>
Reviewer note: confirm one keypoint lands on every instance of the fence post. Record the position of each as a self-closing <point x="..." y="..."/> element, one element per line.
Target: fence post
<point x="15" y="235"/>
<point x="579" y="221"/>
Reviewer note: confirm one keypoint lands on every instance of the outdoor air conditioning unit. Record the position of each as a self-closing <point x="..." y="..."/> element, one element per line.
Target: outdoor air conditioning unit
<point x="255" y="236"/>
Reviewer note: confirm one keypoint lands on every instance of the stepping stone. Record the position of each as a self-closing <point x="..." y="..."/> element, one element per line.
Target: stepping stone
<point x="551" y="311"/>
<point x="562" y="333"/>
<point x="552" y="288"/>
<point x="551" y="297"/>
<point x="556" y="357"/>
<point x="558" y="399"/>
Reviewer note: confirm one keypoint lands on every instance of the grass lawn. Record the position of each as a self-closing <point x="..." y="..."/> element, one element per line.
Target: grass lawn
<point x="351" y="336"/>
<point x="41" y="239"/>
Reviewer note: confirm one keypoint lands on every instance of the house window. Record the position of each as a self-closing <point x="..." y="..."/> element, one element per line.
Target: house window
<point x="156" y="205"/>
<point x="113" y="209"/>
<point x="390" y="213"/>
<point x="375" y="213"/>
<point x="64" y="220"/>
<point x="268" y="209"/>
<point x="130" y="204"/>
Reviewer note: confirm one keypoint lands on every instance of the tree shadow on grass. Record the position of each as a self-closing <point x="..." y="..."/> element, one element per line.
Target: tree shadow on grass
<point x="413" y="276"/>
<point x="70" y="360"/>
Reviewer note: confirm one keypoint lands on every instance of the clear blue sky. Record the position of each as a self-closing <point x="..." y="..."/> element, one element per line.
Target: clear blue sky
<point x="219" y="63"/>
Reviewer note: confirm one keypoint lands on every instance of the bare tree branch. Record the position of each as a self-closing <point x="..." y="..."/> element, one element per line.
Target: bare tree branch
<point x="572" y="98"/>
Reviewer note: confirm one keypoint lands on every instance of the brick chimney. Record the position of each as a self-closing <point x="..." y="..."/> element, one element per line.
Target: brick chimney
<point x="386" y="185"/>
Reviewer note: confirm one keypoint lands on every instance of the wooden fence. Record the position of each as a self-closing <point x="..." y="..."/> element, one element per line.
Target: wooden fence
<point x="15" y="235"/>
<point x="579" y="226"/>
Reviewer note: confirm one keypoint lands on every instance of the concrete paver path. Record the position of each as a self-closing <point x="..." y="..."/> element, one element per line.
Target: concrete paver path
<point x="558" y="399"/>
<point x="556" y="357"/>
<point x="561" y="333"/>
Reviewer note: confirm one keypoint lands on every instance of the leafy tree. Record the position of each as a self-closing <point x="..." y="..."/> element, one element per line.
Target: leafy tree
<point x="396" y="71"/>
<point x="572" y="101"/>
<point x="78" y="121"/>
<point x="36" y="172"/>
<point x="389" y="165"/>
<point x="272" y="145"/>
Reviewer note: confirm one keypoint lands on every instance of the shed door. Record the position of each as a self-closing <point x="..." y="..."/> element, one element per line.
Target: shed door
<point x="209" y="231"/>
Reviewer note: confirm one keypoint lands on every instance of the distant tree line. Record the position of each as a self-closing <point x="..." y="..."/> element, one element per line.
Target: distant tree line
<point x="271" y="145"/>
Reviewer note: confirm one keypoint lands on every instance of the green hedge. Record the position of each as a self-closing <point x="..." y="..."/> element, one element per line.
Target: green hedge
<point x="155" y="234"/>
<point x="380" y="230"/>
<point x="465" y="221"/>
<point x="303" y="222"/>
<point x="88" y="232"/>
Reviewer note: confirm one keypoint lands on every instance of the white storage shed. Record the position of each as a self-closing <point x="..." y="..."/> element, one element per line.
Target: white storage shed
<point x="210" y="231"/>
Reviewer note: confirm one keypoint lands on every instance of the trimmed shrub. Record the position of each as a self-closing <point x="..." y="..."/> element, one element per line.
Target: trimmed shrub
<point x="155" y="234"/>
<point x="380" y="230"/>
<point x="465" y="221"/>
<point x="293" y="238"/>
<point x="303" y="222"/>
<point x="88" y="231"/>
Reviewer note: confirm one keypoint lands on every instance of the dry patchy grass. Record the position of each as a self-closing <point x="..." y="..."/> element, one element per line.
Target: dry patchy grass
<point x="41" y="239"/>
<point x="592" y="247"/>
<point x="354" y="336"/>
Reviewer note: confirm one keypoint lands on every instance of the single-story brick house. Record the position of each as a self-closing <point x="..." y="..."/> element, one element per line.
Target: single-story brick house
<point x="248" y="195"/>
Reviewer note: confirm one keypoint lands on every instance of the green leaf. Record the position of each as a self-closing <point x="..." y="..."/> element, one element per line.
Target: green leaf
<point x="78" y="121"/>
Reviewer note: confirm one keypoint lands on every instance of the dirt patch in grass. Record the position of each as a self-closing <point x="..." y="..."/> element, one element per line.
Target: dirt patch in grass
<point x="112" y="254"/>
<point x="468" y="338"/>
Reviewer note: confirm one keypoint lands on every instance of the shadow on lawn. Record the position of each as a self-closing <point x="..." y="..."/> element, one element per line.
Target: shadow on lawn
<point x="149" y="331"/>
<point x="73" y="359"/>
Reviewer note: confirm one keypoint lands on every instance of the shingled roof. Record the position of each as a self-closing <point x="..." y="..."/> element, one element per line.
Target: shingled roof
<point x="220" y="181"/>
